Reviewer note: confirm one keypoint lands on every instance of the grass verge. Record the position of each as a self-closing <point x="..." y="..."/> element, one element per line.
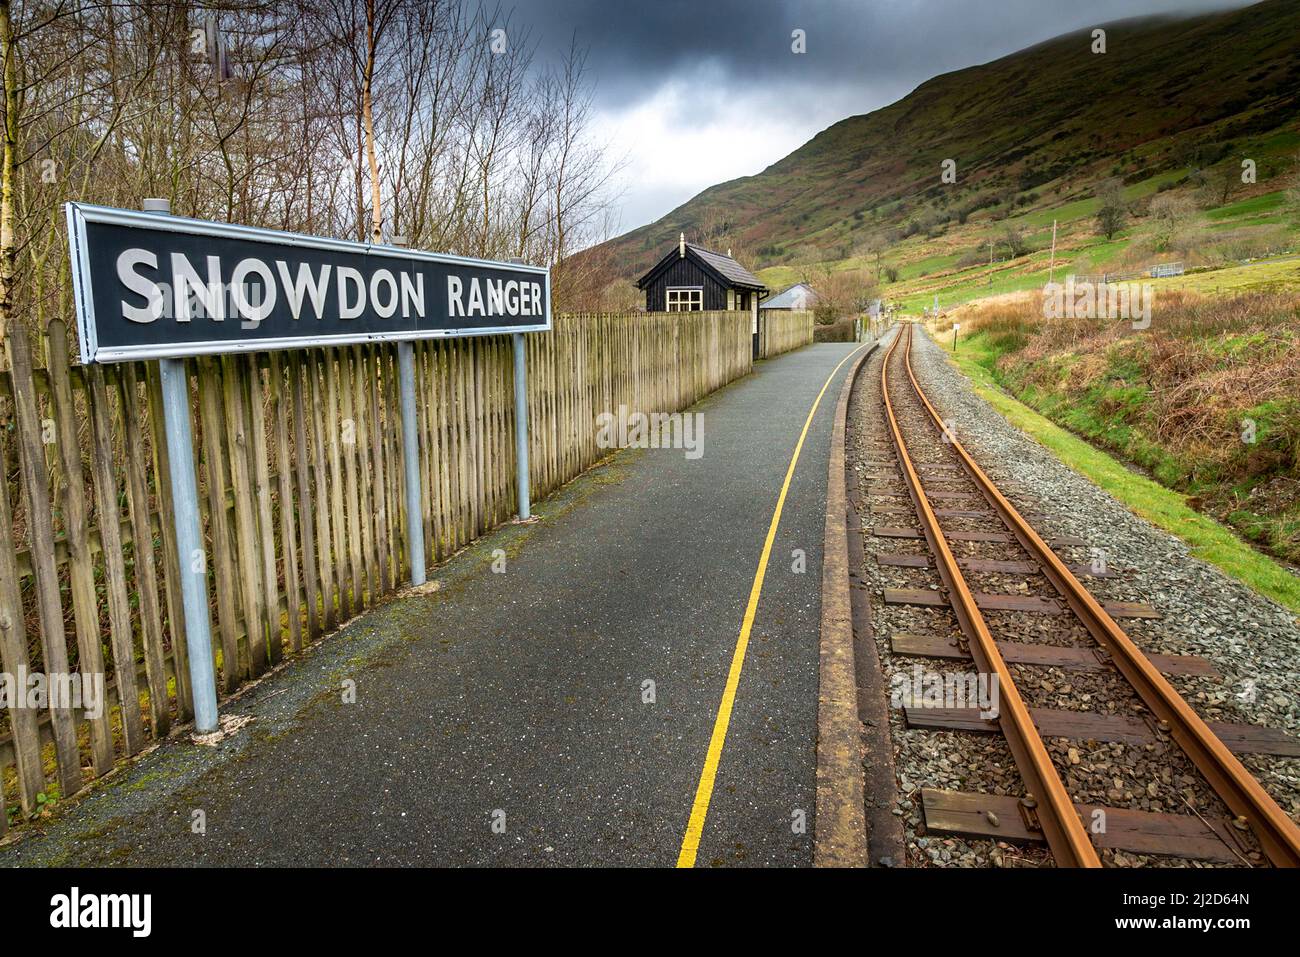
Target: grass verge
<point x="1208" y="540"/>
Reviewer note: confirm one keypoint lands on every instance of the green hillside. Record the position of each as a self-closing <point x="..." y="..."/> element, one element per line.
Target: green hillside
<point x="1173" y="106"/>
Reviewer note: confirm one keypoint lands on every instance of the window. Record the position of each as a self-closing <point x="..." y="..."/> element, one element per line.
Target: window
<point x="685" y="299"/>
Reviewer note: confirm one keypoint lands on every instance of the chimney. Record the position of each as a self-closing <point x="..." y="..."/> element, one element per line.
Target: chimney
<point x="728" y="252"/>
<point x="681" y="247"/>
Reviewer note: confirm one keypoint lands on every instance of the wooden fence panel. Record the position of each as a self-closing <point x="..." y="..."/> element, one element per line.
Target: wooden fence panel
<point x="219" y="556"/>
<point x="299" y="462"/>
<point x="324" y="507"/>
<point x="286" y="507"/>
<point x="34" y="480"/>
<point x="265" y="520"/>
<point x="24" y="725"/>
<point x="144" y="559"/>
<point x="85" y="601"/>
<point x="781" y="330"/>
<point x="233" y="375"/>
<point x="306" y="500"/>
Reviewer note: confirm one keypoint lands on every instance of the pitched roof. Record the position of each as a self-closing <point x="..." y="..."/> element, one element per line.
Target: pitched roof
<point x="727" y="269"/>
<point x="732" y="270"/>
<point x="799" y="296"/>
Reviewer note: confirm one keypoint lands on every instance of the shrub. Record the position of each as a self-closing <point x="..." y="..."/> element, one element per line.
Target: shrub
<point x="839" y="330"/>
<point x="1177" y="398"/>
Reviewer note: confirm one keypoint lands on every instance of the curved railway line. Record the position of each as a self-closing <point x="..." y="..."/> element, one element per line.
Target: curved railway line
<point x="977" y="541"/>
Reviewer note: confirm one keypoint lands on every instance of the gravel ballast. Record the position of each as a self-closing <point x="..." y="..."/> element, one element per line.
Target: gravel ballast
<point x="1253" y="642"/>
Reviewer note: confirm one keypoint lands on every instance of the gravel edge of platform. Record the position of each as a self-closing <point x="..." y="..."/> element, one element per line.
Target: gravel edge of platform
<point x="1252" y="640"/>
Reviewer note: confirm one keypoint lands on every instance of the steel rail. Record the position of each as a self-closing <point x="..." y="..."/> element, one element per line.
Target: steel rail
<point x="1047" y="803"/>
<point x="1236" y="786"/>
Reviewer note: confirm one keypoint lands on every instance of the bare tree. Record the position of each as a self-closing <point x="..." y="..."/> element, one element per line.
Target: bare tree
<point x="1172" y="219"/>
<point x="874" y="248"/>
<point x="839" y="292"/>
<point x="1015" y="242"/>
<point x="351" y="118"/>
<point x="1112" y="210"/>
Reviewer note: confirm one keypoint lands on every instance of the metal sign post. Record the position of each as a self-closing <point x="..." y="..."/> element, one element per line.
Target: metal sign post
<point x="521" y="422"/>
<point x="411" y="462"/>
<point x="189" y="536"/>
<point x="411" y="455"/>
<point x="521" y="427"/>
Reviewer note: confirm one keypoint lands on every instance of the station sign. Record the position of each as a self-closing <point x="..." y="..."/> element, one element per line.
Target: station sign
<point x="151" y="286"/>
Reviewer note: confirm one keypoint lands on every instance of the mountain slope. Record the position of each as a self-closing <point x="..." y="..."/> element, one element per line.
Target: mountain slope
<point x="1034" y="130"/>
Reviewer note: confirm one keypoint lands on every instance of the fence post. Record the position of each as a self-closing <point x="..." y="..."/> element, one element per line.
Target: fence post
<point x="189" y="536"/>
<point x="411" y="454"/>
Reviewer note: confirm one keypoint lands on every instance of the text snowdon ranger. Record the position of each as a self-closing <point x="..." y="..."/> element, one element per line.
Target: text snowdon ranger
<point x="255" y="286"/>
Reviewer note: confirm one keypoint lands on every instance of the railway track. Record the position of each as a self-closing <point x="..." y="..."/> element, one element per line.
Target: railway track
<point x="977" y="544"/>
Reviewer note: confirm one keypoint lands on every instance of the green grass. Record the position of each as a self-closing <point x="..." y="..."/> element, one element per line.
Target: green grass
<point x="1067" y="212"/>
<point x="973" y="283"/>
<point x="778" y="278"/>
<point x="1265" y="274"/>
<point x="1208" y="540"/>
<point x="1255" y="206"/>
<point x="929" y="264"/>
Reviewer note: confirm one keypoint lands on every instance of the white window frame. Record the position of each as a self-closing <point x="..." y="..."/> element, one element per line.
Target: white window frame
<point x="684" y="299"/>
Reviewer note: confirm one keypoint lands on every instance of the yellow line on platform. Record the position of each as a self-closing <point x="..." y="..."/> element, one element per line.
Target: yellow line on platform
<point x="704" y="790"/>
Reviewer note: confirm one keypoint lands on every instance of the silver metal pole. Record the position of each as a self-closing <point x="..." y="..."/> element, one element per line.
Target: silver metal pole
<point x="189" y="536"/>
<point x="521" y="422"/>
<point x="411" y="454"/>
<point x="411" y="462"/>
<point x="521" y="427"/>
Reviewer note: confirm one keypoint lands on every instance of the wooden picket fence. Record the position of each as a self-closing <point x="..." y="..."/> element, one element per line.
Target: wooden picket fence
<point x="781" y="330"/>
<point x="303" y="505"/>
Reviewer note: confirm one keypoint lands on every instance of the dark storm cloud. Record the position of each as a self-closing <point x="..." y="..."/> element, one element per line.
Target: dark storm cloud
<point x="634" y="46"/>
<point x="696" y="92"/>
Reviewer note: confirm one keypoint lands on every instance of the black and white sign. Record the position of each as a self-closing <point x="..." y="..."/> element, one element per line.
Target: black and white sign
<point x="151" y="286"/>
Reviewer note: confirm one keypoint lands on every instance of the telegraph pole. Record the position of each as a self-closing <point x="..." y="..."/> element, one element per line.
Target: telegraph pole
<point x="1051" y="270"/>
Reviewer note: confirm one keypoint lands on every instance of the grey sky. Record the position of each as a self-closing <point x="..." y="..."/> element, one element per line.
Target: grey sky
<point x="696" y="92"/>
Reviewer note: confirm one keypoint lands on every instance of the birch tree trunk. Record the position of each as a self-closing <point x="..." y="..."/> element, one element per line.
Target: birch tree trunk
<point x="367" y="89"/>
<point x="8" y="170"/>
